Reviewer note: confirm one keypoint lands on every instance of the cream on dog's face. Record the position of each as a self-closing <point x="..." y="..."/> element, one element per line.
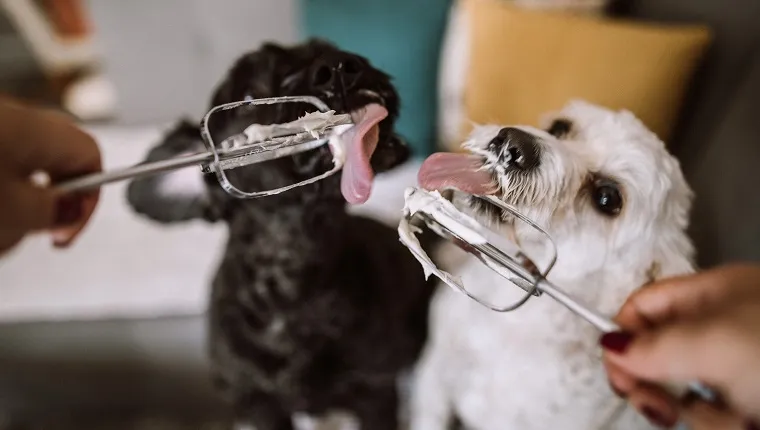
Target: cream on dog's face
<point x="595" y="178"/>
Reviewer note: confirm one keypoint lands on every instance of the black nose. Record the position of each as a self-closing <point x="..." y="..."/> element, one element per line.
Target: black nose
<point x="516" y="148"/>
<point x="335" y="74"/>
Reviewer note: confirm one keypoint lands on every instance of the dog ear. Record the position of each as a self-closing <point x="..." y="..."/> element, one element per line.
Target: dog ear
<point x="674" y="251"/>
<point x="674" y="256"/>
<point x="176" y="196"/>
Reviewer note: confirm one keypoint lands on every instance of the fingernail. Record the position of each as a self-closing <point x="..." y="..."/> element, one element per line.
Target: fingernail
<point x="616" y="341"/>
<point x="68" y="211"/>
<point x="656" y="417"/>
<point x="751" y="425"/>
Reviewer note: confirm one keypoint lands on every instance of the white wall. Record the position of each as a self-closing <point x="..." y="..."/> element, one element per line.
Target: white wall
<point x="165" y="56"/>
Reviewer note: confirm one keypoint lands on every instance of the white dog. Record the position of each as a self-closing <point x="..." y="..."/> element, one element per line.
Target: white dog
<point x="616" y="204"/>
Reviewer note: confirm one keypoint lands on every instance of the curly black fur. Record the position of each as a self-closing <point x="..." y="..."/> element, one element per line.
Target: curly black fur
<point x="312" y="309"/>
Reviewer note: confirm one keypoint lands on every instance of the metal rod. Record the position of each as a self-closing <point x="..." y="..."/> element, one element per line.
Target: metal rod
<point x="256" y="152"/>
<point x="596" y="319"/>
<point x="606" y="325"/>
<point x="93" y="181"/>
<point x="281" y="139"/>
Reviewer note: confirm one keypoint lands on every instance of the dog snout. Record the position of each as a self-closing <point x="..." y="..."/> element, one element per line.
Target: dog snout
<point x="516" y="148"/>
<point x="332" y="74"/>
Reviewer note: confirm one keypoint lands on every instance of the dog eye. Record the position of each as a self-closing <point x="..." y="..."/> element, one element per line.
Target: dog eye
<point x="607" y="198"/>
<point x="560" y="127"/>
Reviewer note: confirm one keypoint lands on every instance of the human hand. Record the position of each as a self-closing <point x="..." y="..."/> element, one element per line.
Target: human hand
<point x="703" y="327"/>
<point x="35" y="140"/>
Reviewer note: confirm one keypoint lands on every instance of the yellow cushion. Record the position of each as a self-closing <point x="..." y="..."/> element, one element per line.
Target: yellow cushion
<point x="525" y="63"/>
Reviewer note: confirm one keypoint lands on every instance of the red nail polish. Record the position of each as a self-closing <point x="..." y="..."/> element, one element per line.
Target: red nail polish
<point x="68" y="211"/>
<point x="657" y="418"/>
<point x="616" y="341"/>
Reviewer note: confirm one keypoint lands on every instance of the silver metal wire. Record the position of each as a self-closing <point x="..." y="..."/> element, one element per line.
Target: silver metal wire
<point x="277" y="147"/>
<point x="282" y="142"/>
<point x="524" y="273"/>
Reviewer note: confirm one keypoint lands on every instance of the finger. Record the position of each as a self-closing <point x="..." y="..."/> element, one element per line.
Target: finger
<point x="658" y="407"/>
<point x="81" y="208"/>
<point x="8" y="239"/>
<point x="621" y="382"/>
<point x="26" y="206"/>
<point x="702" y="416"/>
<point x="35" y="139"/>
<point x="671" y="299"/>
<point x="677" y="353"/>
<point x="686" y="296"/>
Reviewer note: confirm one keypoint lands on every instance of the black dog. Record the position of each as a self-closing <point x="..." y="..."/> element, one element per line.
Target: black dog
<point x="312" y="309"/>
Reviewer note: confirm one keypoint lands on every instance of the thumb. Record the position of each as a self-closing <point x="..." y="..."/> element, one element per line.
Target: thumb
<point x="670" y="300"/>
<point x="687" y="296"/>
<point x="36" y="208"/>
<point x="30" y="207"/>
<point x="676" y="353"/>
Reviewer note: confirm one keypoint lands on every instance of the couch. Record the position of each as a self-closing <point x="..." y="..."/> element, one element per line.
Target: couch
<point x="718" y="137"/>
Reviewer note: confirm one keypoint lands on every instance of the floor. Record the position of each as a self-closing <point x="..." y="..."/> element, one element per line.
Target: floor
<point x="69" y="375"/>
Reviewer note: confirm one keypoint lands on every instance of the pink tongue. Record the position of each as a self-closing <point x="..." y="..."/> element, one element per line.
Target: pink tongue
<point x="356" y="183"/>
<point x="461" y="171"/>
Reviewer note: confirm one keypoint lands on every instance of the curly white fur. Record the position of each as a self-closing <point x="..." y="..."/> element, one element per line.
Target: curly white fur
<point x="539" y="367"/>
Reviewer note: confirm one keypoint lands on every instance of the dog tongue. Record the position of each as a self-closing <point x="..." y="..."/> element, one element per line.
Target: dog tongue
<point x="361" y="139"/>
<point x="461" y="171"/>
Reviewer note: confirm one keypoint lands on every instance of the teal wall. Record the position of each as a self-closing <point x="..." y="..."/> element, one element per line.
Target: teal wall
<point x="401" y="37"/>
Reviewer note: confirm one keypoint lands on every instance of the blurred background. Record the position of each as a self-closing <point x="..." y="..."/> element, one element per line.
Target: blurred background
<point x="132" y="62"/>
<point x="110" y="334"/>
